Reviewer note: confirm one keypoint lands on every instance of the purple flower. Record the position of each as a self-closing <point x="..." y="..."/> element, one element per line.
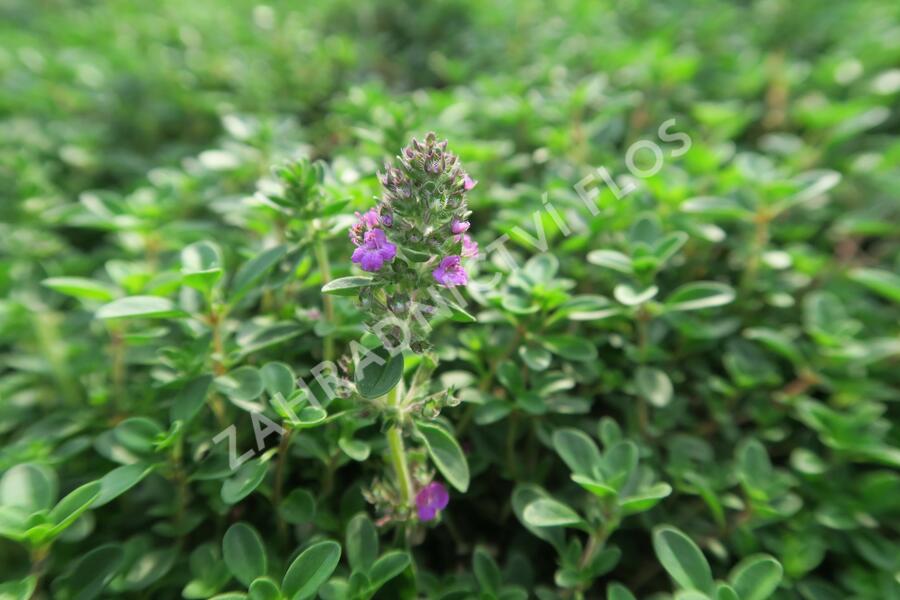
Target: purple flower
<point x="370" y="218"/>
<point x="431" y="499"/>
<point x="468" y="183"/>
<point x="374" y="251"/>
<point x="364" y="222"/>
<point x="450" y="273"/>
<point x="458" y="226"/>
<point x="469" y="246"/>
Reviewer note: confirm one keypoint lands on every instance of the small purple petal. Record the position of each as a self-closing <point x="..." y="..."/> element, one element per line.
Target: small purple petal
<point x="469" y="246"/>
<point x="371" y="262"/>
<point x="459" y="226"/>
<point x="450" y="272"/>
<point x="374" y="251"/>
<point x="388" y="251"/>
<point x="469" y="183"/>
<point x="431" y="499"/>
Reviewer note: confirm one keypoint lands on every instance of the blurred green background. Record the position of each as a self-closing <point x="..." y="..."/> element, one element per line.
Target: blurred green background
<point x="95" y="94"/>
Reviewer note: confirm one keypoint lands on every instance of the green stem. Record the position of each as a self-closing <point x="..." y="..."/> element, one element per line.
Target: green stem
<point x="398" y="453"/>
<point x="38" y="565"/>
<point x="589" y="551"/>
<point x="643" y="339"/>
<point x="181" y="483"/>
<point x="278" y="491"/>
<point x="46" y="327"/>
<point x="511" y="434"/>
<point x="327" y="302"/>
<point x="596" y="542"/>
<point x="117" y="348"/>
<point x="760" y="239"/>
<point x="215" y="319"/>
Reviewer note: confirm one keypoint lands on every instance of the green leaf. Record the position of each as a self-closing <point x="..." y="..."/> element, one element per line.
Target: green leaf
<point x="653" y="385"/>
<point x="310" y="570"/>
<point x="346" y="286"/>
<point x="278" y="378"/>
<point x="541" y="268"/>
<point x="148" y="567"/>
<point x="244" y="481"/>
<point x="629" y="296"/>
<point x="23" y="589"/>
<point x="79" y="287"/>
<point x="138" y="434"/>
<point x="253" y="270"/>
<point x="699" y="295"/>
<point x="309" y="416"/>
<point x="139" y="307"/>
<point x="595" y="487"/>
<point x="89" y="575"/>
<point x="378" y="372"/>
<point x="361" y="543"/>
<point x="619" y="462"/>
<point x="669" y="245"/>
<point x="190" y="399"/>
<point x="201" y="265"/>
<point x="244" y="553"/>
<point x="577" y="450"/>
<point x="645" y="230"/>
<point x="725" y="592"/>
<point x="690" y="595"/>
<point x="717" y="207"/>
<point x="209" y="572"/>
<point x="448" y="457"/>
<point x="459" y="314"/>
<point x="885" y="283"/>
<point x="813" y="184"/>
<point x="253" y="338"/>
<point x="611" y="259"/>
<point x="536" y="358"/>
<point x="523" y="496"/>
<point x="487" y="573"/>
<point x="72" y="506"/>
<point x="571" y="347"/>
<point x="120" y="480"/>
<point x="244" y="384"/>
<point x="682" y="559"/>
<point x="588" y="308"/>
<point x="753" y="465"/>
<point x="645" y="499"/>
<point x="776" y="341"/>
<point x="617" y="591"/>
<point x="756" y="577"/>
<point x="30" y="486"/>
<point x="264" y="589"/>
<point x="388" y="566"/>
<point x="547" y="512"/>
<point x="298" y="507"/>
<point x="14" y="522"/>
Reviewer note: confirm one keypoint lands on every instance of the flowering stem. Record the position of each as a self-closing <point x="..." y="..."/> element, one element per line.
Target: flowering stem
<point x="398" y="453"/>
<point x="327" y="304"/>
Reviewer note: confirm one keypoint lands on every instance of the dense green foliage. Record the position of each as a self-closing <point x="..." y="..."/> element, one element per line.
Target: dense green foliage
<point x="679" y="380"/>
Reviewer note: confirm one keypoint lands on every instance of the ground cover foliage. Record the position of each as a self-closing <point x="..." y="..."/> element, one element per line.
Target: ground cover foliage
<point x="649" y="288"/>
